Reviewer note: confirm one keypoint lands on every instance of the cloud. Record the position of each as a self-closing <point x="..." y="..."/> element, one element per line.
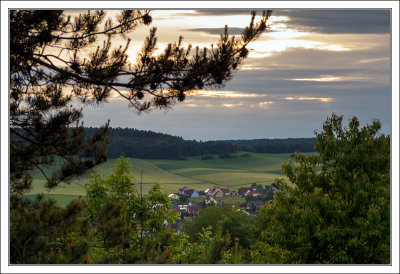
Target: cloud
<point x="321" y="99"/>
<point x="223" y="93"/>
<point x="265" y="104"/>
<point x="331" y="78"/>
<point x="328" y="21"/>
<point x="218" y="31"/>
<point x="332" y="21"/>
<point x="224" y="12"/>
<point x="232" y="105"/>
<point x="288" y="92"/>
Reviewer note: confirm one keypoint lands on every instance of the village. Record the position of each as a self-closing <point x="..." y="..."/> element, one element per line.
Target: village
<point x="188" y="202"/>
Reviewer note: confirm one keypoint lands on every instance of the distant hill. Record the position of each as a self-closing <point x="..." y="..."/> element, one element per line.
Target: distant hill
<point x="289" y="145"/>
<point x="145" y="144"/>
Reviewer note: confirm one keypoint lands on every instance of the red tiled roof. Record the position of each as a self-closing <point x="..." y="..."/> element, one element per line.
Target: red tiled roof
<point x="244" y="189"/>
<point x="188" y="192"/>
<point x="193" y="209"/>
<point x="214" y="188"/>
<point x="226" y="190"/>
<point x="182" y="189"/>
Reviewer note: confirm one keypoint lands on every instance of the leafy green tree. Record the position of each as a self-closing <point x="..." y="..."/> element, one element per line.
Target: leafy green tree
<point x="210" y="248"/>
<point x="172" y="248"/>
<point x="124" y="218"/>
<point x="183" y="199"/>
<point x="233" y="221"/>
<point x="336" y="208"/>
<point x="57" y="59"/>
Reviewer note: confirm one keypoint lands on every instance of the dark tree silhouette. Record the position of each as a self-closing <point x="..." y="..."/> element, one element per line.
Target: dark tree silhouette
<point x="51" y="66"/>
<point x="57" y="59"/>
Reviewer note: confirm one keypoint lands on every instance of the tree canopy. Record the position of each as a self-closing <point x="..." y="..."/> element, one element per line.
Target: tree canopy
<point x="122" y="215"/>
<point x="336" y="208"/>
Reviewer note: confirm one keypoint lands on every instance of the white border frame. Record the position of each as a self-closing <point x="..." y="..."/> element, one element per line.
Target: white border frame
<point x="5" y="268"/>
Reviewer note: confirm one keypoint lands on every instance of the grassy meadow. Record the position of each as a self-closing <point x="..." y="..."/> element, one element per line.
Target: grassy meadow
<point x="241" y="170"/>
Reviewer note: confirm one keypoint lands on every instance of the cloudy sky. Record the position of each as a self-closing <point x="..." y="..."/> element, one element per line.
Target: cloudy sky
<point x="307" y="65"/>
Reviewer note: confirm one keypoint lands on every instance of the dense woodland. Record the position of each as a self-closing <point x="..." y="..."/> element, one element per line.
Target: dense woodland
<point x="287" y="145"/>
<point x="130" y="142"/>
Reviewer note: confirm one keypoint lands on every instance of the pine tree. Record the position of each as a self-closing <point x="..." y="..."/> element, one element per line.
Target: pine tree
<point x="56" y="60"/>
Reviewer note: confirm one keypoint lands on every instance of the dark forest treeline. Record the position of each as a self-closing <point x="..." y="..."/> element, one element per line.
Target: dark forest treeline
<point x="130" y="142"/>
<point x="288" y="145"/>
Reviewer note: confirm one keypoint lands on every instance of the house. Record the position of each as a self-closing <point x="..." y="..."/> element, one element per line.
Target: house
<point x="183" y="207"/>
<point x="252" y="193"/>
<point x="217" y="193"/>
<point x="226" y="191"/>
<point x="272" y="187"/>
<point x="243" y="190"/>
<point x="255" y="205"/>
<point x="176" y="208"/>
<point x="267" y="188"/>
<point x="209" y="191"/>
<point x="234" y="193"/>
<point x="193" y="209"/>
<point x="270" y="190"/>
<point x="211" y="201"/>
<point x="193" y="203"/>
<point x="176" y="226"/>
<point x="275" y="187"/>
<point x="173" y="196"/>
<point x="191" y="193"/>
<point x="182" y="190"/>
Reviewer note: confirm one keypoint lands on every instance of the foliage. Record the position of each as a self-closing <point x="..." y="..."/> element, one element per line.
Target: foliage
<point x="42" y="232"/>
<point x="131" y="142"/>
<point x="225" y="156"/>
<point x="172" y="248"/>
<point x="183" y="199"/>
<point x="207" y="157"/>
<point x="122" y="216"/>
<point x="288" y="145"/>
<point x="233" y="221"/>
<point x="57" y="60"/>
<point x="338" y="210"/>
<point x="209" y="249"/>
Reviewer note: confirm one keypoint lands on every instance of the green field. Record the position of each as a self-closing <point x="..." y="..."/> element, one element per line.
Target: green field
<point x="173" y="174"/>
<point x="60" y="198"/>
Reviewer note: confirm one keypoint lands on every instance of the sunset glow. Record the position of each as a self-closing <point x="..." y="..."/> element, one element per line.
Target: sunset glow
<point x="327" y="78"/>
<point x="219" y="93"/>
<point x="325" y="100"/>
